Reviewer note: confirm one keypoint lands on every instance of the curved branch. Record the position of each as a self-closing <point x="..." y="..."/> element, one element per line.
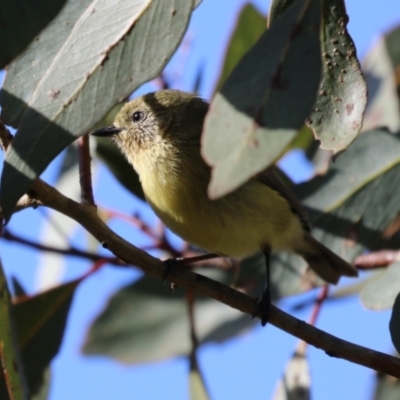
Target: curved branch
<point x="86" y="215"/>
<point x="333" y="346"/>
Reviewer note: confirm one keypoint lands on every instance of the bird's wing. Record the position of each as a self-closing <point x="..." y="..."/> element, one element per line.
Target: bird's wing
<point x="272" y="179"/>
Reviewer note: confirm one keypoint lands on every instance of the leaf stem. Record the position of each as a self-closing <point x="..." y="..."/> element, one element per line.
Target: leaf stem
<point x="85" y="174"/>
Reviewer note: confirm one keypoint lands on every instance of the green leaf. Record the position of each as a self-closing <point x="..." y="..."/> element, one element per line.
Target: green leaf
<point x="146" y="322"/>
<point x="379" y="66"/>
<point x="358" y="198"/>
<point x="198" y="390"/>
<point x="277" y="8"/>
<point x="249" y="27"/>
<point x="41" y="323"/>
<point x="265" y="100"/>
<point x="394" y="324"/>
<point x="387" y="387"/>
<point x="338" y="112"/>
<point x="289" y="275"/>
<point x="295" y="383"/>
<point x="16" y="387"/>
<point x="21" y="21"/>
<point x="80" y="67"/>
<point x="381" y="291"/>
<point x="392" y="40"/>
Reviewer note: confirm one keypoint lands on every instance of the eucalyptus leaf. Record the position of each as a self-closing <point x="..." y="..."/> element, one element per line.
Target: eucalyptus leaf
<point x="41" y="321"/>
<point x="387" y="387"/>
<point x="21" y="21"/>
<point x="79" y="68"/>
<point x="358" y="198"/>
<point x="394" y="324"/>
<point x="198" y="390"/>
<point x="381" y="291"/>
<point x="249" y="27"/>
<point x="379" y="67"/>
<point x="146" y="322"/>
<point x="338" y="112"/>
<point x="295" y="383"/>
<point x="265" y="100"/>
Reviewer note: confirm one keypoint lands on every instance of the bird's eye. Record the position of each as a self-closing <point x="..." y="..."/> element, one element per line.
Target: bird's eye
<point x="137" y="116"/>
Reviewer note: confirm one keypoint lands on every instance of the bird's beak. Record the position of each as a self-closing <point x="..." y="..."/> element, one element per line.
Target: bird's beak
<point x="108" y="131"/>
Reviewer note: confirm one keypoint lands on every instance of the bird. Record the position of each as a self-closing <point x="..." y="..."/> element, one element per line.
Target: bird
<point x="160" y="135"/>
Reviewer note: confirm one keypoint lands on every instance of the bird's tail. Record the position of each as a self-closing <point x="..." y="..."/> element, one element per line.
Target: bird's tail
<point x="329" y="266"/>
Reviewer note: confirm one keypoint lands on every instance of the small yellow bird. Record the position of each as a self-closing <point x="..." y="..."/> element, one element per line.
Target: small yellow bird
<point x="159" y="133"/>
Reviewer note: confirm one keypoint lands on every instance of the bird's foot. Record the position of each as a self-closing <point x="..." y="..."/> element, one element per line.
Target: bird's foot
<point x="169" y="263"/>
<point x="263" y="307"/>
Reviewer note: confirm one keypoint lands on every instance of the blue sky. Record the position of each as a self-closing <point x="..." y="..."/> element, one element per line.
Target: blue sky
<point x="248" y="366"/>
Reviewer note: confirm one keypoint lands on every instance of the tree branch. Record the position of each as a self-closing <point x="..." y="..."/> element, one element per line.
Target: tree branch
<point x="86" y="216"/>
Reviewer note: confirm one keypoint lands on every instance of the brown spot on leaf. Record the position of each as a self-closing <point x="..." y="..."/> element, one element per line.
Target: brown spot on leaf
<point x="253" y="142"/>
<point x="349" y="108"/>
<point x="53" y="93"/>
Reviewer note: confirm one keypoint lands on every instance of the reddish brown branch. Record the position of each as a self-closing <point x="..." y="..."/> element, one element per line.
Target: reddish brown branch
<point x="72" y="251"/>
<point x="160" y="239"/>
<point x="323" y="294"/>
<point x="85" y="174"/>
<point x="377" y="259"/>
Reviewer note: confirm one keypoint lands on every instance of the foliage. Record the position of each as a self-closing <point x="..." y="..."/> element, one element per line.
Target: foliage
<point x="75" y="73"/>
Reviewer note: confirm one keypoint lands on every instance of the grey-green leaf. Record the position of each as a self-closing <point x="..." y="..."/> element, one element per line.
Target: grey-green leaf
<point x="379" y="66"/>
<point x="394" y="324"/>
<point x="198" y="390"/>
<point x="146" y="322"/>
<point x="295" y="383"/>
<point x="88" y="60"/>
<point x="359" y="197"/>
<point x="387" y="387"/>
<point x="265" y="100"/>
<point x="381" y="291"/>
<point x="338" y="112"/>
<point x="249" y="27"/>
<point x="21" y="21"/>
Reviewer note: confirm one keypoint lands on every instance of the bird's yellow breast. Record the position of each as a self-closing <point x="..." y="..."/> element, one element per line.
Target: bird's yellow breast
<point x="236" y="225"/>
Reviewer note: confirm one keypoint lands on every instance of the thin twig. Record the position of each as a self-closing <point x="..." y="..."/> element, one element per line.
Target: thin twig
<point x="323" y="294"/>
<point x="85" y="174"/>
<point x="377" y="259"/>
<point x="301" y="348"/>
<point x="72" y="251"/>
<point x="160" y="240"/>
